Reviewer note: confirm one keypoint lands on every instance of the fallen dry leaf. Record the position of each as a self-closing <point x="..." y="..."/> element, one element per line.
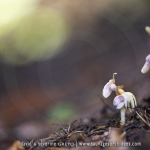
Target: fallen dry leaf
<point x="16" y="146"/>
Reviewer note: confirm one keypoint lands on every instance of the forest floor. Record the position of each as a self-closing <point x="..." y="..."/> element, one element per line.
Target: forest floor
<point x="97" y="133"/>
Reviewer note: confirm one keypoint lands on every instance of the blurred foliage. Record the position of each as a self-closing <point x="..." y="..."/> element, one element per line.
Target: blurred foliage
<point x="12" y="10"/>
<point x="132" y="10"/>
<point x="39" y="35"/>
<point x="29" y="33"/>
<point x="61" y="112"/>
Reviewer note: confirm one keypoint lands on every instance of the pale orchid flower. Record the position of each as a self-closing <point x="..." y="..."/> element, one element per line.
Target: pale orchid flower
<point x="109" y="87"/>
<point x="146" y="66"/>
<point x="124" y="100"/>
<point x="127" y="100"/>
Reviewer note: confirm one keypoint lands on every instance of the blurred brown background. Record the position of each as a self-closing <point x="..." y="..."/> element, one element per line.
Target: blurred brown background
<point x="56" y="56"/>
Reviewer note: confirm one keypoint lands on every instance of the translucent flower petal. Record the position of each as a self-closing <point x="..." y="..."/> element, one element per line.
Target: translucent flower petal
<point x="126" y="98"/>
<point x="117" y="100"/>
<point x="120" y="105"/>
<point x="146" y="67"/>
<point x="107" y="90"/>
<point x="132" y="99"/>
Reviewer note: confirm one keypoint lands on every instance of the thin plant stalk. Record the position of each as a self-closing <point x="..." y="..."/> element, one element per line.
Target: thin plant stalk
<point x="122" y="115"/>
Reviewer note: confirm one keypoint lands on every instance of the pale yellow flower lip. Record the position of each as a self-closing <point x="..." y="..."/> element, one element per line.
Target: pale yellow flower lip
<point x="120" y="86"/>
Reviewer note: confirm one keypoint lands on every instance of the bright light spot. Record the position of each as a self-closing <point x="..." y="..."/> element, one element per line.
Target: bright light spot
<point x="38" y="36"/>
<point x="12" y="10"/>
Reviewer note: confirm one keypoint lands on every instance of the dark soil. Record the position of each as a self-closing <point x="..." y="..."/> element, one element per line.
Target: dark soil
<point x="135" y="129"/>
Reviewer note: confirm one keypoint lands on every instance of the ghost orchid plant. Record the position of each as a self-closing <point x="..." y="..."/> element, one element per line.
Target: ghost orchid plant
<point x="123" y="100"/>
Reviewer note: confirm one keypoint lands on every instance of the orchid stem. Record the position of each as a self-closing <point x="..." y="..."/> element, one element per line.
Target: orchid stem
<point x="114" y="76"/>
<point x="122" y="115"/>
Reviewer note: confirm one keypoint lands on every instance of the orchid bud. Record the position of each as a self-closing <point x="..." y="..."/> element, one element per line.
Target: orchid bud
<point x="146" y="66"/>
<point x="147" y="30"/>
<point x="108" y="88"/>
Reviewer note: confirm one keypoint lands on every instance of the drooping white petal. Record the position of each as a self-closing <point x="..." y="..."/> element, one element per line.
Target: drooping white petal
<point x="127" y="98"/>
<point x="133" y="99"/>
<point x="132" y="104"/>
<point x="117" y="100"/>
<point x="120" y="105"/>
<point x="107" y="90"/>
<point x="146" y="67"/>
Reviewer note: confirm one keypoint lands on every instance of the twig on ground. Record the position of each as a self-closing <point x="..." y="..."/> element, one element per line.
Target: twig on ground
<point x="113" y="110"/>
<point x="142" y="119"/>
